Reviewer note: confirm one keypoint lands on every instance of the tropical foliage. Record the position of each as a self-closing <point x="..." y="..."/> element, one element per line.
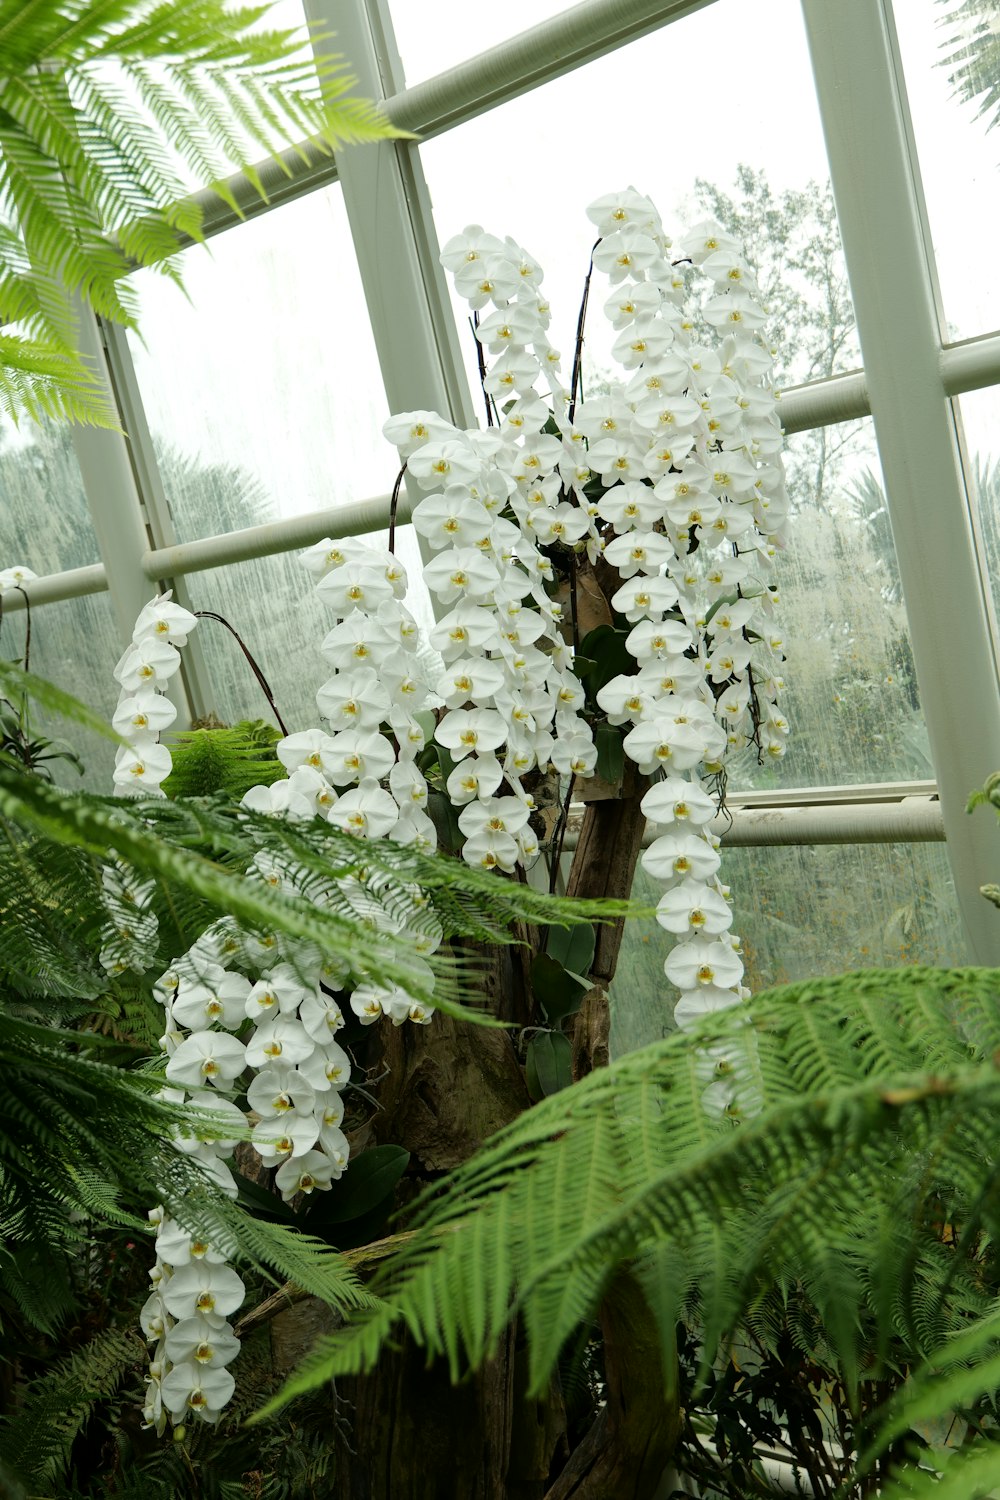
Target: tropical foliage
<point x="849" y="1201"/>
<point x="87" y="1143"/>
<point x="114" y="110"/>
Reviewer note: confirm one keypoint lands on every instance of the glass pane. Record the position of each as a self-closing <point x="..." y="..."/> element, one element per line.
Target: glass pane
<point x="272" y="603"/>
<point x="74" y="644"/>
<point x="802" y="912"/>
<point x="459" y="31"/>
<point x="46" y="523"/>
<point x="980" y="412"/>
<point x="610" y="127"/>
<point x="263" y="393"/>
<point x="851" y="696"/>
<point x="958" y="154"/>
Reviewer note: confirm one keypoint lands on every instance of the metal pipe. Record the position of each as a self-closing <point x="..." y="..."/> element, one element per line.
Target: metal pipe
<point x="533" y="57"/>
<point x="546" y="51"/>
<point x="275" y="536"/>
<point x="971" y="365"/>
<point x="912" y="820"/>
<point x="73" y="584"/>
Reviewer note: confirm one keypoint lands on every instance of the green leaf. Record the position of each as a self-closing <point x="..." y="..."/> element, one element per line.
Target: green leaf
<point x="15" y="683"/>
<point x="557" y="991"/>
<point x="260" y="1202"/>
<point x="573" y="947"/>
<point x="605" y="648"/>
<point x="368" y="1182"/>
<point x="610" y="753"/>
<point x="550" y="1062"/>
<point x="444" y="816"/>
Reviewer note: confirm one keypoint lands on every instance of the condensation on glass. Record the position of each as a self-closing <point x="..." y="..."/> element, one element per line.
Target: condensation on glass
<point x="46" y="522"/>
<point x="851" y="690"/>
<point x="75" y="644"/>
<point x="801" y="913"/>
<point x="980" y="415"/>
<point x="272" y="603"/>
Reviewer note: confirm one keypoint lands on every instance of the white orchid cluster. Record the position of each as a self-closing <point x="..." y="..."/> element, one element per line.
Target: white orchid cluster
<point x="363" y="777"/>
<point x="240" y="1002"/>
<point x="144" y="710"/>
<point x="229" y="978"/>
<point x="494" y="502"/>
<point x="689" y="456"/>
<point x="674" y="476"/>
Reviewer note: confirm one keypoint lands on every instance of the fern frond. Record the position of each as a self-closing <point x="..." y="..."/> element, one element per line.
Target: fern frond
<point x="109" y="108"/>
<point x="964" y="1474"/>
<point x="228" y="761"/>
<point x="37" y="1440"/>
<point x="627" y="1163"/>
<point x="45" y="379"/>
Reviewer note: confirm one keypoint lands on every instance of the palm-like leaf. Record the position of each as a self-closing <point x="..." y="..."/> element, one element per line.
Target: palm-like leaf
<point x="973" y="55"/>
<point x="870" y="1119"/>
<point x="110" y="108"/>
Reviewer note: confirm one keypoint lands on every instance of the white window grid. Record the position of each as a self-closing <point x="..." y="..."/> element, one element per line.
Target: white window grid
<point x="909" y="378"/>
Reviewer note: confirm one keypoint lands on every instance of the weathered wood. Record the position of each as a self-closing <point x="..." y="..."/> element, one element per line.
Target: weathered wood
<point x="604" y="864"/>
<point x="590" y="1040"/>
<point x="447" y="1088"/>
<point x="624" y="1454"/>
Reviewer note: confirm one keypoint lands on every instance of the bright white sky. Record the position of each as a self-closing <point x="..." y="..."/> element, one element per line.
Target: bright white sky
<point x="272" y="367"/>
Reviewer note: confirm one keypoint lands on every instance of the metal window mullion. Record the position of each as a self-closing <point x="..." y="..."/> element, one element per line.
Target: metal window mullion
<point x="879" y="207"/>
<point x="113" y="498"/>
<point x="394" y="238"/>
<point x="388" y="208"/>
<point x="160" y="530"/>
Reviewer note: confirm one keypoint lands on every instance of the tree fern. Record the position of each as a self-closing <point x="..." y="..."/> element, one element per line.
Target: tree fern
<point x="109" y="106"/>
<point x="195" y="836"/>
<point x="225" y="760"/>
<point x="37" y="1442"/>
<point x="863" y="1097"/>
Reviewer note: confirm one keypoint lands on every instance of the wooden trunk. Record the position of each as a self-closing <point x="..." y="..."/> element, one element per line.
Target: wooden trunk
<point x="448" y="1086"/>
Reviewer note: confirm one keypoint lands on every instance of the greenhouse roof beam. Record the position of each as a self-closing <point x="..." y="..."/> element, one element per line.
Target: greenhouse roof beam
<point x="559" y="45"/>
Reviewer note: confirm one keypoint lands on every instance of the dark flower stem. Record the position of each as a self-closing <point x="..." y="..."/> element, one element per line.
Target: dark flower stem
<point x="208" y="614"/>
<point x="481" y="361"/>
<point x="574" y="389"/>
<point x="393" y="504"/>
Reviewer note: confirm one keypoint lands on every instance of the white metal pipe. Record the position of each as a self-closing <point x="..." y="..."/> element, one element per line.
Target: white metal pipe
<point x="274" y="536"/>
<point x="971" y="365"/>
<point x="824" y="403"/>
<point x="72" y="584"/>
<point x="546" y="51"/>
<point x="886" y="245"/>
<point x="576" y="36"/>
<point x="912" y="820"/>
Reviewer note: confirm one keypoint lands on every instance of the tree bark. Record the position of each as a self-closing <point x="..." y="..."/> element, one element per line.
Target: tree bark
<point x="413" y="1434"/>
<point x="447" y="1088"/>
<point x="627" y="1449"/>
